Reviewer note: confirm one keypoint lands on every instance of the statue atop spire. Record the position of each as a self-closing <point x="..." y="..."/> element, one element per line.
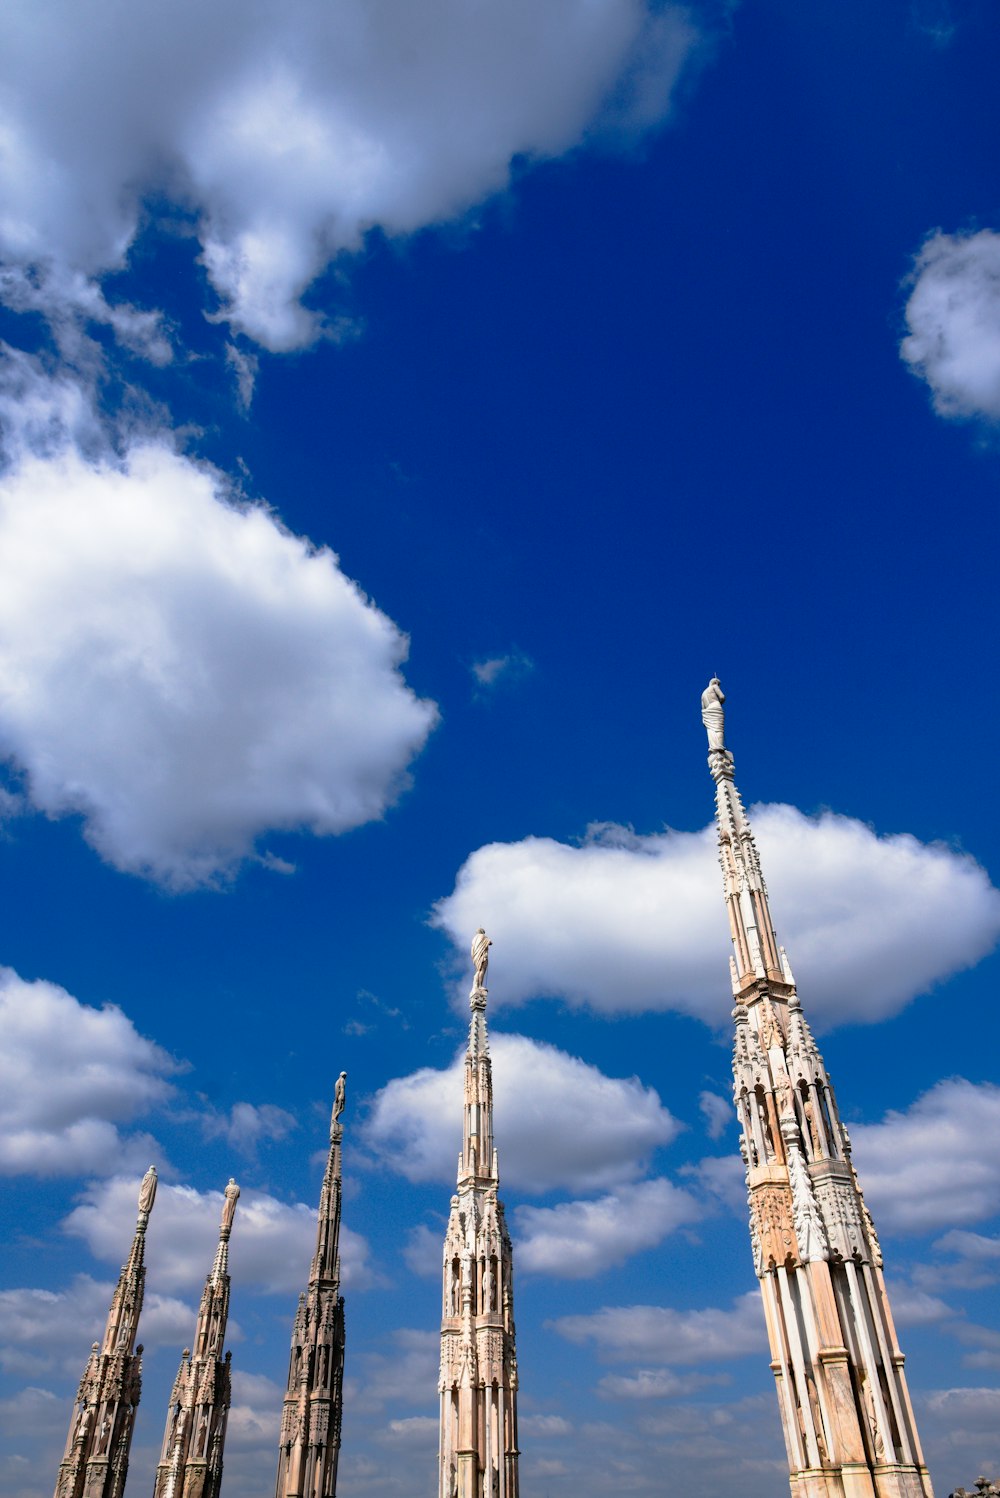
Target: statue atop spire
<point x="191" y="1456"/>
<point x="147" y="1196"/>
<point x="842" y="1394"/>
<point x="339" y="1098"/>
<point x="478" y="1384"/>
<point x="480" y="954"/>
<point x="95" y="1462"/>
<point x="313" y="1408"/>
<point x="713" y="714"/>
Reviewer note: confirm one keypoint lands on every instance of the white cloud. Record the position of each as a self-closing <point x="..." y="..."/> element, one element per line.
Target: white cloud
<point x="626" y="923"/>
<point x="182" y="672"/>
<point x="546" y="1427"/>
<point x="953" y="316"/>
<point x="41" y="1330"/>
<point x="424" y="1250"/>
<point x="506" y="669"/>
<point x="659" y="1334"/>
<point x="933" y="1165"/>
<point x="912" y="1307"/>
<point x="655" y="1383"/>
<point x="289" y="132"/>
<point x="578" y="1239"/>
<point x="559" y="1121"/>
<point x="271" y="1248"/>
<point x="246" y="1125"/>
<point x="717" y="1112"/>
<point x="962" y="1430"/>
<point x="407" y="1375"/>
<point x="69" y="1075"/>
<point x="975" y="1265"/>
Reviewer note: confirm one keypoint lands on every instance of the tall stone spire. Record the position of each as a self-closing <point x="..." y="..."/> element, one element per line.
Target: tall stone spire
<point x="95" y="1463"/>
<point x="478" y="1384"/>
<point x="313" y="1408"/>
<point x="191" y="1459"/>
<point x="845" y="1408"/>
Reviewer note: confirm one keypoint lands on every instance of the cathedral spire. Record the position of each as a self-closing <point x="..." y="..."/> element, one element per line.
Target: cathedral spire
<point x="842" y="1393"/>
<point x="478" y="1452"/>
<point x="95" y="1463"/>
<point x="191" y="1458"/>
<point x="313" y="1409"/>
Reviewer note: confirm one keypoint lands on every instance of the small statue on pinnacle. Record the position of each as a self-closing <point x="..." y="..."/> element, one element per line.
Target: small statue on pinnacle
<point x="339" y="1096"/>
<point x="712" y="714"/>
<point x="480" y="958"/>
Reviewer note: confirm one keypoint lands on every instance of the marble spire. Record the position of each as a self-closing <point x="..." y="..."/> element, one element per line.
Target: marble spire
<point x="478" y="1385"/>
<point x="842" y="1394"/>
<point x="95" y="1463"/>
<point x="313" y="1409"/>
<point x="191" y="1457"/>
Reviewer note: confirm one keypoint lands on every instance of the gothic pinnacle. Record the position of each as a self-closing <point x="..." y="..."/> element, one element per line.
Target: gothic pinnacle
<point x="478" y="1378"/>
<point x="309" y="1448"/>
<point x="194" y="1437"/>
<point x="842" y="1395"/>
<point x="95" y="1462"/>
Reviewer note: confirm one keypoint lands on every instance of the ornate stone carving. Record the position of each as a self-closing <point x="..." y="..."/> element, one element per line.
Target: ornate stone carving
<point x="840" y="1208"/>
<point x="772" y="1203"/>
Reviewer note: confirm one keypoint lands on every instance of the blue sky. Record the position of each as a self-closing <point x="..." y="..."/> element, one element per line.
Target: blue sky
<point x="607" y="347"/>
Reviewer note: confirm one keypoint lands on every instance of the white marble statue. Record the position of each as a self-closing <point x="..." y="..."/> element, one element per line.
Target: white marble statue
<point x="339" y="1096"/>
<point x="147" y="1191"/>
<point x="713" y="715"/>
<point x="232" y="1196"/>
<point x="480" y="957"/>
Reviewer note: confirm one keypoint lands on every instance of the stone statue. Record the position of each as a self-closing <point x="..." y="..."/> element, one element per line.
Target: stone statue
<point x="480" y="957"/>
<point x="147" y="1191"/>
<point x="712" y="714"/>
<point x="339" y="1096"/>
<point x="877" y="1442"/>
<point x="488" y="1288"/>
<point x="232" y="1196"/>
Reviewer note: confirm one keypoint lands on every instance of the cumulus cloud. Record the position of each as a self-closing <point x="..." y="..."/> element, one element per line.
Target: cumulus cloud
<point x="659" y="1334"/>
<point x="578" y="1239"/>
<point x="655" y="1383"/>
<point x="69" y="1076"/>
<point x="405" y="1375"/>
<point x="287" y="133"/>
<point x="182" y="672"/>
<point x="271" y="1248"/>
<point x="247" y="1125"/>
<point x="627" y="923"/>
<point x="962" y="1429"/>
<point x="953" y="316"/>
<point x="42" y="1330"/>
<point x="717" y="1113"/>
<point x="930" y="1166"/>
<point x="563" y="1123"/>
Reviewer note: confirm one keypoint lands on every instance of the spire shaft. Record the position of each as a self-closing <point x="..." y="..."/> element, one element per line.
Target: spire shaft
<point x="95" y="1462"/>
<point x="313" y="1408"/>
<point x="191" y="1457"/>
<point x="478" y="1455"/>
<point x="845" y="1408"/>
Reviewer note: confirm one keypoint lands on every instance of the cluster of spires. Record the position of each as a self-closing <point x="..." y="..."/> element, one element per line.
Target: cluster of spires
<point x="95" y="1463"/>
<point x="843" y="1401"/>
